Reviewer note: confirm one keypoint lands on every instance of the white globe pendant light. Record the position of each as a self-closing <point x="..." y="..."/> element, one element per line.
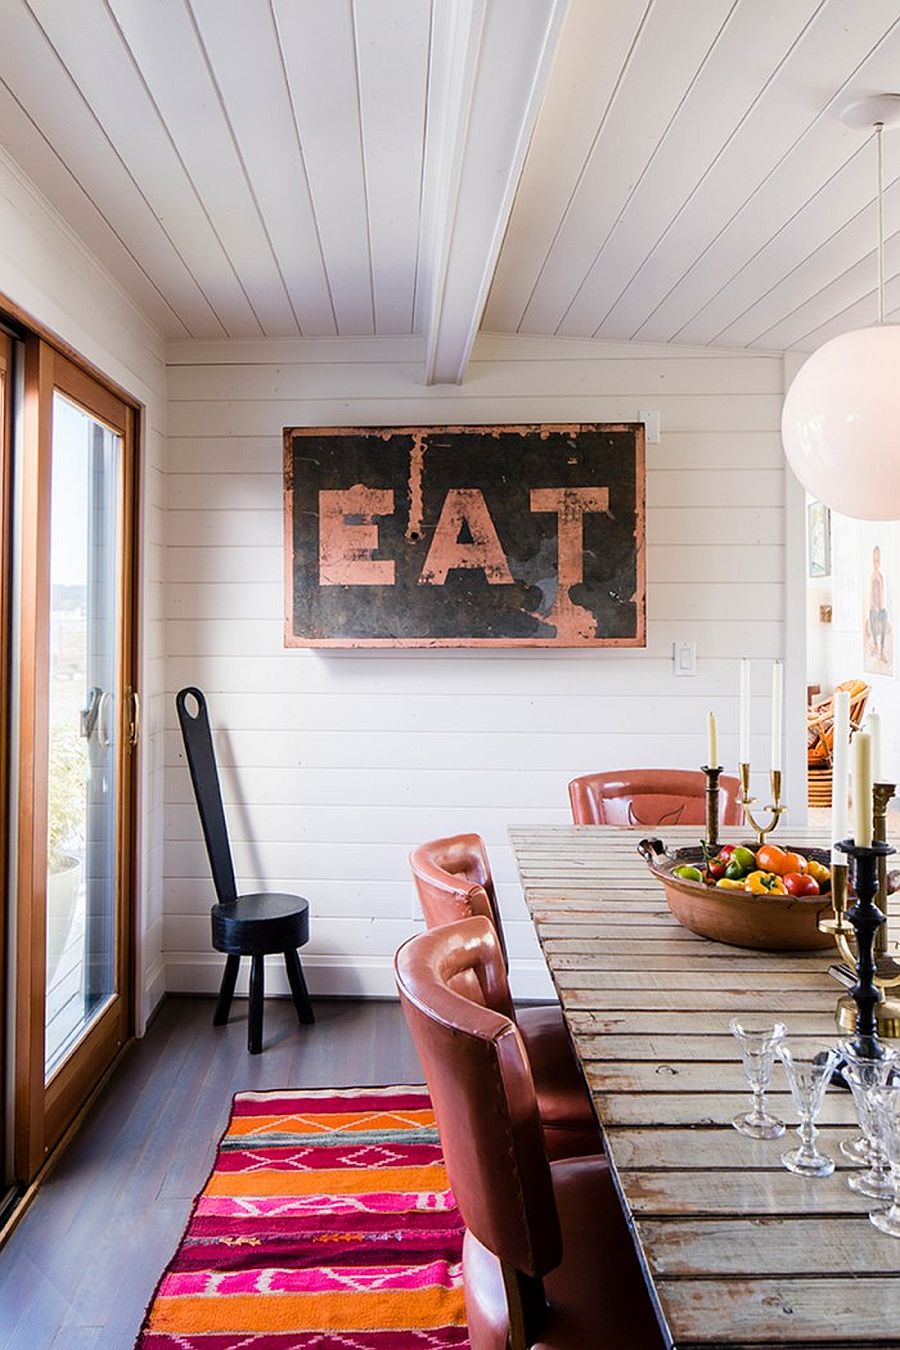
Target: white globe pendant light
<point x="840" y="425"/>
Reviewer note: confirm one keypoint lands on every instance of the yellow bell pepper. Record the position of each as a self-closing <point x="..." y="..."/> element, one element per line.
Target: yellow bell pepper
<point x="820" y="873"/>
<point x="764" y="883"/>
<point x="729" y="884"/>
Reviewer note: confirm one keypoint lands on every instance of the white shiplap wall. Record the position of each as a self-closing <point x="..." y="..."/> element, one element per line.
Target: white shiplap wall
<point x="47" y="271"/>
<point x="335" y="763"/>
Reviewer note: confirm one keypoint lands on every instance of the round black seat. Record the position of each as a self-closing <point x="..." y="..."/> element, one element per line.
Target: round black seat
<point x="258" y="925"/>
<point x="255" y="925"/>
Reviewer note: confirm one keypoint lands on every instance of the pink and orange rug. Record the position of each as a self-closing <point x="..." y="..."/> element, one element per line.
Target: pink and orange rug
<point x="327" y="1224"/>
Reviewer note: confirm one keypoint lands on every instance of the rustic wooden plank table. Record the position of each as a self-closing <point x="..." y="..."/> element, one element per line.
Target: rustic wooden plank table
<point x="738" y="1251"/>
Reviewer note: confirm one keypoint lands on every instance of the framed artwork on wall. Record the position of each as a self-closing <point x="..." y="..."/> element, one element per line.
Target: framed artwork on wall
<point x="818" y="539"/>
<point x="482" y="536"/>
<point x="876" y="572"/>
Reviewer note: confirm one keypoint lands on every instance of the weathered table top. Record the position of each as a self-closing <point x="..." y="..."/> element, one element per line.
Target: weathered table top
<point x="739" y="1251"/>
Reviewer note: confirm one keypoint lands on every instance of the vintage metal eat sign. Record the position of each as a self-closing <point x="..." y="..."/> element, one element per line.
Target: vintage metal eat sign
<point x="521" y="536"/>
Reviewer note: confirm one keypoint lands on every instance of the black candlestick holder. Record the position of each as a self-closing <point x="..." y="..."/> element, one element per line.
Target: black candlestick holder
<point x="866" y="919"/>
<point x="711" y="843"/>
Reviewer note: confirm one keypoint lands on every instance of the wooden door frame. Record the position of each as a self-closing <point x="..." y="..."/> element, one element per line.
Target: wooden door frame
<point x="7" y="369"/>
<point x="43" y="1111"/>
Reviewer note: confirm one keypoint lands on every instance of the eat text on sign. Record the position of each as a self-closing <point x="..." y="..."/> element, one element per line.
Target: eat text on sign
<point x="465" y="536"/>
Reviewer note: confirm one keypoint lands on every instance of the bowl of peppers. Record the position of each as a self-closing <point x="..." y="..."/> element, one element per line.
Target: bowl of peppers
<point x="747" y="895"/>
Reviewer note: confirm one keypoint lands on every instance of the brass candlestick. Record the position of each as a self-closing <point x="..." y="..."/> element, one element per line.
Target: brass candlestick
<point x="776" y="809"/>
<point x="881" y="795"/>
<point x="711" y="842"/>
<point x="837" y="925"/>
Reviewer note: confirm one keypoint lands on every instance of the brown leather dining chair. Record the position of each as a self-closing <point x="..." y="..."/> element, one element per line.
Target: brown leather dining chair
<point x="548" y="1262"/>
<point x="453" y="881"/>
<point x="650" y="797"/>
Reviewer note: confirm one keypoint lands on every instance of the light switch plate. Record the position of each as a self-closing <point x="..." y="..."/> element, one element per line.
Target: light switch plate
<point x="651" y="426"/>
<point x="684" y="655"/>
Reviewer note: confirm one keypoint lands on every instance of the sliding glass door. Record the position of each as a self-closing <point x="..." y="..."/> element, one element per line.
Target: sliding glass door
<point x="83" y="726"/>
<point x="77" y="728"/>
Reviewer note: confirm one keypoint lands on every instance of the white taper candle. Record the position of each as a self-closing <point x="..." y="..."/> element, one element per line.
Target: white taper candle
<point x="712" y="736"/>
<point x="873" y="728"/>
<point x="862" y="790"/>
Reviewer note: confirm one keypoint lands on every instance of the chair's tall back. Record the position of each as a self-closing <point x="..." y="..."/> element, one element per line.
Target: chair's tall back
<point x="650" y="797"/>
<point x="483" y="1094"/>
<point x="820" y="722"/>
<point x="201" y="758"/>
<point x="453" y="881"/>
<point x="859" y="696"/>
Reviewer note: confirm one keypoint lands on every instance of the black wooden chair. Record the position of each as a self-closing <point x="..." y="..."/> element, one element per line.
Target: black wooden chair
<point x="242" y="925"/>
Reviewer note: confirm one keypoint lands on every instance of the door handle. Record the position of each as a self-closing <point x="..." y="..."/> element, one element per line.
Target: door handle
<point x="134" y="717"/>
<point x="102" y="728"/>
<point x="88" y="716"/>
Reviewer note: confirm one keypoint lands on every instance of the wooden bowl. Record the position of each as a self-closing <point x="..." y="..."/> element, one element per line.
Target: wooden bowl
<point x="781" y="923"/>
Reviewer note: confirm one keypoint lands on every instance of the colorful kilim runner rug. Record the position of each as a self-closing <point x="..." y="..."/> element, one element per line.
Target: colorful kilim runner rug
<point x="326" y="1224"/>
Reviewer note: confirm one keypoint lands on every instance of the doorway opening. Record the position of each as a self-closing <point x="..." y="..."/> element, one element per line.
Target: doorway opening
<point x="850" y="636"/>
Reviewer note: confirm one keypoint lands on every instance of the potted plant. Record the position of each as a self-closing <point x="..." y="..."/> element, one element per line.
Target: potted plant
<point x="65" y="823"/>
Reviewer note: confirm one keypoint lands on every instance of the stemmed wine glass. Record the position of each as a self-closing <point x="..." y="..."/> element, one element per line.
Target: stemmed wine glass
<point x="809" y="1068"/>
<point x="758" y="1053"/>
<point x="884" y="1105"/>
<point x="863" y="1072"/>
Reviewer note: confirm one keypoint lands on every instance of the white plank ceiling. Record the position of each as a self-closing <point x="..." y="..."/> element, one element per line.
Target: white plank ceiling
<point x="624" y="169"/>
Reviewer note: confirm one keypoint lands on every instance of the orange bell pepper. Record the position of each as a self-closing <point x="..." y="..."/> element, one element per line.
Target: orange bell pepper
<point x="771" y="858"/>
<point x="764" y="883"/>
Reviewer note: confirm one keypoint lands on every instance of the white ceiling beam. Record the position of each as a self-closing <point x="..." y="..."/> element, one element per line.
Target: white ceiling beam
<point x="490" y="60"/>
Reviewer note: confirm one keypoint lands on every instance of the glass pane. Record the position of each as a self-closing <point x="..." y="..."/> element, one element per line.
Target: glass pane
<point x="83" y="721"/>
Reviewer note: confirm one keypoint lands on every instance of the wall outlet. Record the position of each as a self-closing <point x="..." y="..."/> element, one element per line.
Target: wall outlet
<point x="684" y="655"/>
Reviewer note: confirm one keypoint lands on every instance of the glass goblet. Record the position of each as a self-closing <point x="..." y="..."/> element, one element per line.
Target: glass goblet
<point x="863" y="1072"/>
<point x="884" y="1105"/>
<point x="758" y="1044"/>
<point x="856" y="1151"/>
<point x="809" y="1068"/>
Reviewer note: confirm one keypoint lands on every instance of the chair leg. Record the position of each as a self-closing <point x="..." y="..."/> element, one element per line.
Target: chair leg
<point x="299" y="990"/>
<point x="257" y="994"/>
<point x="226" y="990"/>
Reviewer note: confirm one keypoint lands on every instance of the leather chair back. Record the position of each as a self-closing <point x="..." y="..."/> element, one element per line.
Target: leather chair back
<point x="453" y="881"/>
<point x="483" y="1094"/>
<point x="650" y="797"/>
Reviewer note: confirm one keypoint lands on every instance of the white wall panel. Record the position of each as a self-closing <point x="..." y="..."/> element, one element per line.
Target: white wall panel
<point x="335" y="763"/>
<point x="476" y="404"/>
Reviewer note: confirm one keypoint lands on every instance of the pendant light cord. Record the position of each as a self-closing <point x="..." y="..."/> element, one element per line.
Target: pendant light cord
<point x="879" y="128"/>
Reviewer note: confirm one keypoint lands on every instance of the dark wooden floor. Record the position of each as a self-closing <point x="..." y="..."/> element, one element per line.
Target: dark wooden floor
<point x="80" y="1268"/>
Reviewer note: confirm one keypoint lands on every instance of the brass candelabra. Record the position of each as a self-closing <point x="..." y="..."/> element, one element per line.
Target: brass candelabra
<point x="776" y="808"/>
